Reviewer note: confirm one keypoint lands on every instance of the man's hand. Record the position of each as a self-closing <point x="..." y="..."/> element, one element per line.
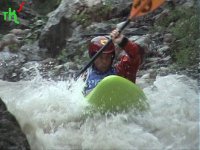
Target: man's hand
<point x="116" y="37"/>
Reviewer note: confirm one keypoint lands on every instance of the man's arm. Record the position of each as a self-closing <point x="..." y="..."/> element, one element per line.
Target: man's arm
<point x="130" y="62"/>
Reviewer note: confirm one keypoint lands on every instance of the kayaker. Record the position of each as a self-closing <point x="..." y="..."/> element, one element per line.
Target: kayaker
<point x="103" y="66"/>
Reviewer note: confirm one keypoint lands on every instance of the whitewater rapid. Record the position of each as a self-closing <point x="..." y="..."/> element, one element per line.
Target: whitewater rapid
<point x="52" y="115"/>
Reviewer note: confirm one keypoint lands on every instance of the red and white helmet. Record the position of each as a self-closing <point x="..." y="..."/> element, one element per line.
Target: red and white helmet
<point x="97" y="43"/>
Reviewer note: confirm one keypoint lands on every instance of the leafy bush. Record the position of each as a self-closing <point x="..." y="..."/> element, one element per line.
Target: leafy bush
<point x="186" y="32"/>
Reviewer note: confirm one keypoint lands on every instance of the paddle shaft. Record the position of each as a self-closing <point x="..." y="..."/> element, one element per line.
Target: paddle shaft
<point x="101" y="50"/>
<point x="106" y="34"/>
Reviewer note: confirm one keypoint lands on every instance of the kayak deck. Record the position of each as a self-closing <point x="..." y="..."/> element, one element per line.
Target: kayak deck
<point x="116" y="94"/>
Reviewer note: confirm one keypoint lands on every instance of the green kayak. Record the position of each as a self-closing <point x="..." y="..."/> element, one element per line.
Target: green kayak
<point x="117" y="94"/>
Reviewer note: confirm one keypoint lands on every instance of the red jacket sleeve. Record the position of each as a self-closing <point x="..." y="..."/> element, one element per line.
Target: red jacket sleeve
<point x="129" y="63"/>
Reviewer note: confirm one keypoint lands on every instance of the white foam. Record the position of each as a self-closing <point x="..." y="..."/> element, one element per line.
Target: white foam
<point x="52" y="116"/>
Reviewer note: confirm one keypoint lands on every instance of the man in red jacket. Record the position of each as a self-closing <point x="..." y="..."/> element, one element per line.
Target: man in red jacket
<point x="103" y="66"/>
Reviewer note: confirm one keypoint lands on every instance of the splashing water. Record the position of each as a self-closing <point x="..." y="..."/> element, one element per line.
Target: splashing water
<point x="52" y="116"/>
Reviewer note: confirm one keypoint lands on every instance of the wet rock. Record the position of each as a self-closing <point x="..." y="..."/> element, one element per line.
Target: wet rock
<point x="8" y="39"/>
<point x="11" y="135"/>
<point x="62" y="24"/>
<point x="63" y="33"/>
<point x="147" y="78"/>
<point x="33" y="52"/>
<point x="163" y="71"/>
<point x="65" y="71"/>
<point x="143" y="41"/>
<point x="188" y="4"/>
<point x="164" y="49"/>
<point x="162" y="15"/>
<point x="19" y="32"/>
<point x="10" y="64"/>
<point x="168" y="38"/>
<point x="157" y="62"/>
<point x="39" y="23"/>
<point x="58" y="28"/>
<point x="98" y="28"/>
<point x="70" y="65"/>
<point x="47" y="69"/>
<point x="24" y="23"/>
<point x="44" y="6"/>
<point x="29" y="70"/>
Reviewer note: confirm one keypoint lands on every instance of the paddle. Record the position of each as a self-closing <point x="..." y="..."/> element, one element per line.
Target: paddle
<point x="139" y="8"/>
<point x="107" y="34"/>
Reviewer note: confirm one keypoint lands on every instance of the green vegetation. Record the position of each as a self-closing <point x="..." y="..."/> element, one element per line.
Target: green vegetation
<point x="79" y="50"/>
<point x="186" y="33"/>
<point x="14" y="47"/>
<point x="63" y="56"/>
<point x="83" y="19"/>
<point x="96" y="13"/>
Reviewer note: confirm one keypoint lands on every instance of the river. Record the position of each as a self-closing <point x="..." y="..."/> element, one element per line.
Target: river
<point x="52" y="116"/>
